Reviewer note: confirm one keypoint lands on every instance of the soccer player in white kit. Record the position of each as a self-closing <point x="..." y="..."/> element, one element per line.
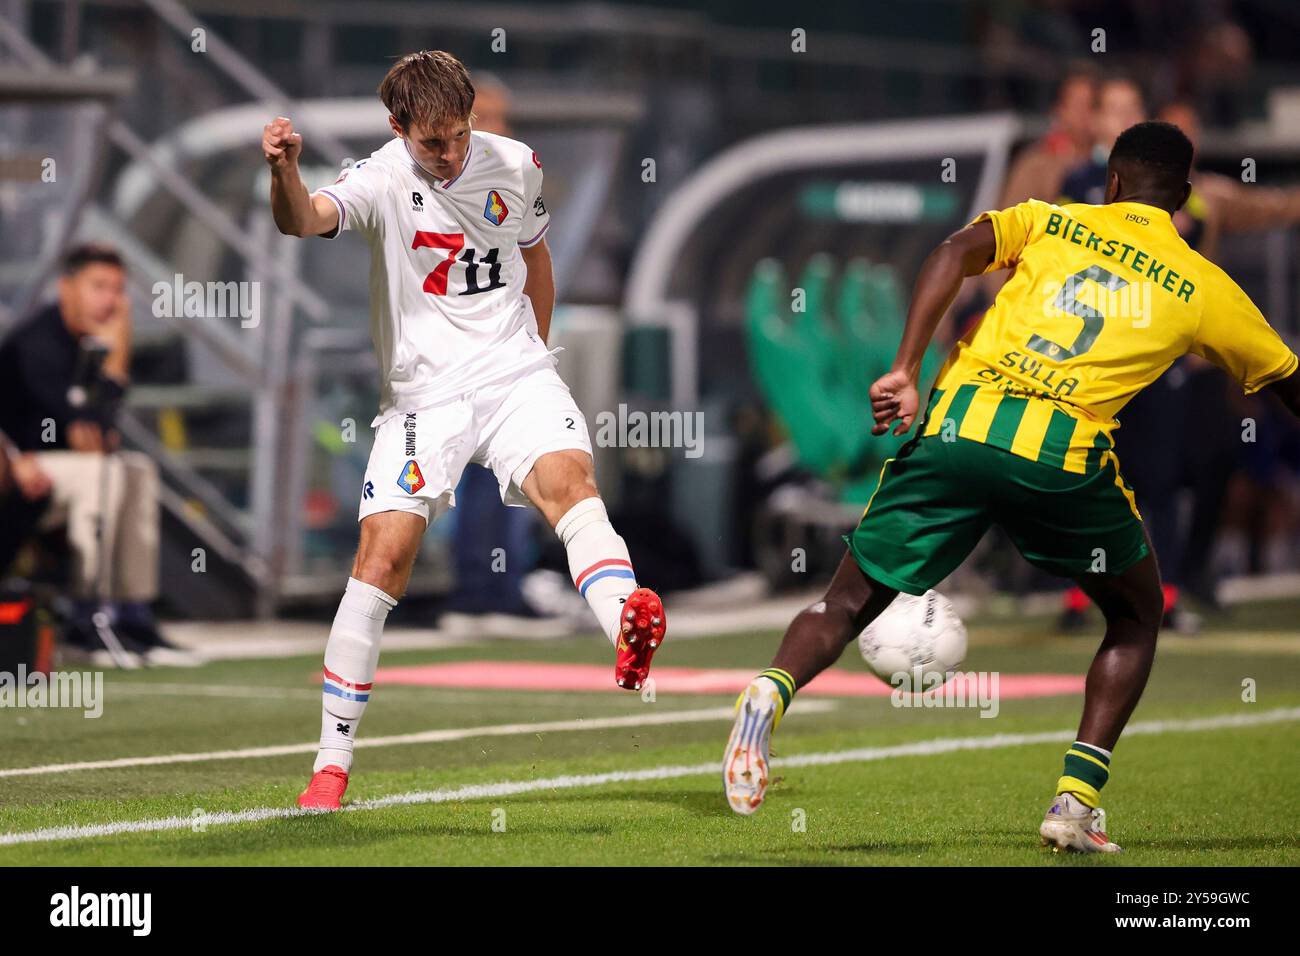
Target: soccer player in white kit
<point x="461" y="293"/>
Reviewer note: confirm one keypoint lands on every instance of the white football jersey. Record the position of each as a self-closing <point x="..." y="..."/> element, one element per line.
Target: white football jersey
<point x="447" y="306"/>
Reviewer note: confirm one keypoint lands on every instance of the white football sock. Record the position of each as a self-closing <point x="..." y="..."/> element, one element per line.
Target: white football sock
<point x="351" y="655"/>
<point x="598" y="562"/>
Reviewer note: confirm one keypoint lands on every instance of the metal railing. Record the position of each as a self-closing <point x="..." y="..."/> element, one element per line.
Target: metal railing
<point x="261" y="557"/>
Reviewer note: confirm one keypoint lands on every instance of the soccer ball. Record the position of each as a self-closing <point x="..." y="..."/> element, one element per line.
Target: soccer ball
<point x="913" y="640"/>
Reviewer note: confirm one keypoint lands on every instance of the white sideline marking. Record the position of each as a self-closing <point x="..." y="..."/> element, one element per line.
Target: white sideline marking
<point x="253" y="692"/>
<point x="271" y="693"/>
<point x="569" y="782"/>
<point x="421" y="737"/>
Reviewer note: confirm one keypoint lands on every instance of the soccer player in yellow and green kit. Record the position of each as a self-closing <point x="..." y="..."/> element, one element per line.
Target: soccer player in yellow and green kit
<point x="1018" y="432"/>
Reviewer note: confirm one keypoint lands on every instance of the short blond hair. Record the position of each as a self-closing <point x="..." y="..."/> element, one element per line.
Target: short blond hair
<point x="431" y="87"/>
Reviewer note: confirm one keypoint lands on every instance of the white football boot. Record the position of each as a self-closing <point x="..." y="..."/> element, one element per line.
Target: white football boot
<point x="1070" y="824"/>
<point x="745" y="766"/>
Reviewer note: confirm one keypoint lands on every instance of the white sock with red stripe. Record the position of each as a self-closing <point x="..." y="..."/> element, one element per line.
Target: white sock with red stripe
<point x="351" y="655"/>
<point x="598" y="561"/>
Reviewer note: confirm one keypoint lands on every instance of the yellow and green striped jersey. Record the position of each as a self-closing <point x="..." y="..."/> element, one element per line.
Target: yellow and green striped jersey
<point x="1101" y="301"/>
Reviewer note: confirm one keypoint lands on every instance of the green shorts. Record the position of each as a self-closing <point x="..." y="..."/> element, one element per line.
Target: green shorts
<point x="935" y="500"/>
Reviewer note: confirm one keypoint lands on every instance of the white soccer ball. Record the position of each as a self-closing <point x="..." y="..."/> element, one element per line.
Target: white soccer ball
<point x="914" y="639"/>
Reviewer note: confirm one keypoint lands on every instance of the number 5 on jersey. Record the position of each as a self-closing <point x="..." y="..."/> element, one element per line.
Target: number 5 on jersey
<point x="1067" y="301"/>
<point x="435" y="283"/>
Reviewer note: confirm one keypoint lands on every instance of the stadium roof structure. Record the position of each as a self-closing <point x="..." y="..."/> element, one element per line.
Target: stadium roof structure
<point x="650" y="299"/>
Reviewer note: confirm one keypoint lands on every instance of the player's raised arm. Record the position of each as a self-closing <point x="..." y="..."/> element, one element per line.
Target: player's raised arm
<point x="967" y="252"/>
<point x="296" y="211"/>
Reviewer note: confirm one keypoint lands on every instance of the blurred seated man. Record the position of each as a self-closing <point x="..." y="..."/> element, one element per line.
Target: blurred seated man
<point x="63" y="374"/>
<point x="24" y="496"/>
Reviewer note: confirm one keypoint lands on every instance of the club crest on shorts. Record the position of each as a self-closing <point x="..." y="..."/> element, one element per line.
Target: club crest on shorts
<point x="410" y="480"/>
<point x="495" y="211"/>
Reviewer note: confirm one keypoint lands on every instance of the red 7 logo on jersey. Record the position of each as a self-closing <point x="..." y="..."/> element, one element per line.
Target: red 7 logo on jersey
<point x="435" y="283"/>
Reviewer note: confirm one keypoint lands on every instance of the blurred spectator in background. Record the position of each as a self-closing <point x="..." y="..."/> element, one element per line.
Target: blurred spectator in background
<point x="24" y="496"/>
<point x="488" y="584"/>
<point x="1262" y="505"/>
<point x="1183" y="433"/>
<point x="63" y="374"/>
<point x="1039" y="170"/>
<point x="1148" y="439"/>
<point x="1151" y="431"/>
<point x="1212" y="450"/>
<point x="1223" y="205"/>
<point x="1214" y="70"/>
<point x="1119" y="105"/>
<point x="491" y="104"/>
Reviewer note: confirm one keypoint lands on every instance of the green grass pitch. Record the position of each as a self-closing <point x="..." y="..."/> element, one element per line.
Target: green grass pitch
<point x="1178" y="797"/>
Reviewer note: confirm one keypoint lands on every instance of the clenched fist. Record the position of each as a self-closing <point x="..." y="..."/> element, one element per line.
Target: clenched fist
<point x="893" y="399"/>
<point x="280" y="144"/>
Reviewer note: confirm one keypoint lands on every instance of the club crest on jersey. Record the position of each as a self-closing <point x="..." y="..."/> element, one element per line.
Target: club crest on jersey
<point x="410" y="480"/>
<point x="495" y="211"/>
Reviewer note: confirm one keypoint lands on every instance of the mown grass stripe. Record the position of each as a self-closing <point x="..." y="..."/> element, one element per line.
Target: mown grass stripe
<point x="923" y="748"/>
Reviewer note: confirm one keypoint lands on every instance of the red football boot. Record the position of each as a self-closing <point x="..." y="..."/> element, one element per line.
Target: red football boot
<point x="643" y="624"/>
<point x="326" y="787"/>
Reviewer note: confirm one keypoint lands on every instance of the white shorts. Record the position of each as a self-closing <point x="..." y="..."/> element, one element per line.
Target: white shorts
<point x="418" y="456"/>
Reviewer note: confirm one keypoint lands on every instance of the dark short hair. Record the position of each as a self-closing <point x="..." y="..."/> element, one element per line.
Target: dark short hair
<point x="431" y="87"/>
<point x="1161" y="147"/>
<point x="90" y="253"/>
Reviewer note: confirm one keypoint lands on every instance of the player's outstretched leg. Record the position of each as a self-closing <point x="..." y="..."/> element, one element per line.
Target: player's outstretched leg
<point x="814" y="641"/>
<point x="389" y="542"/>
<point x="562" y="485"/>
<point x="1133" y="604"/>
